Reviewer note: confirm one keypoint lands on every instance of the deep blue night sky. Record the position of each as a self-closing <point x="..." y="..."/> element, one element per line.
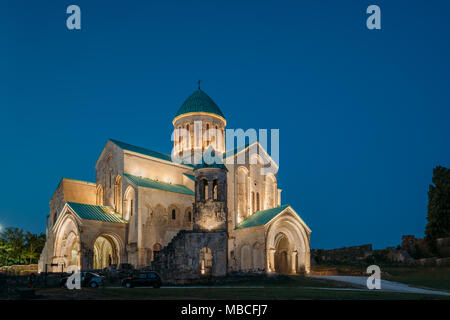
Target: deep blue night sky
<point x="363" y="115"/>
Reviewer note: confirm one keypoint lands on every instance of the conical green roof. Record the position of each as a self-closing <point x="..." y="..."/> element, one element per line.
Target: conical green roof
<point x="199" y="101"/>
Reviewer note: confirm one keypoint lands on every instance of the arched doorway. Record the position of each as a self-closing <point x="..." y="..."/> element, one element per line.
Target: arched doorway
<point x="106" y="252"/>
<point x="282" y="255"/>
<point x="205" y="260"/>
<point x="156" y="249"/>
<point x="67" y="244"/>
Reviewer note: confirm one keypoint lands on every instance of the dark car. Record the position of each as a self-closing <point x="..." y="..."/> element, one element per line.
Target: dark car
<point x="88" y="279"/>
<point x="143" y="279"/>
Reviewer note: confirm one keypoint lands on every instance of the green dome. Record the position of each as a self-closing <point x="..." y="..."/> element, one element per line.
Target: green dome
<point x="199" y="101"/>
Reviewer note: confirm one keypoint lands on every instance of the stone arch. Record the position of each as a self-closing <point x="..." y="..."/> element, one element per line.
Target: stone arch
<point x="270" y="190"/>
<point x="108" y="249"/>
<point x="118" y="194"/>
<point x="188" y="216"/>
<point x="205" y="261"/>
<point x="282" y="251"/>
<point x="159" y="216"/>
<point x="174" y="214"/>
<point x="258" y="254"/>
<point x="188" y="142"/>
<point x="99" y="195"/>
<point x="67" y="246"/>
<point x="157" y="247"/>
<point x="204" y="189"/>
<point x="288" y="229"/>
<point x="129" y="203"/>
<point x="215" y="187"/>
<point x="242" y="193"/>
<point x="246" y="258"/>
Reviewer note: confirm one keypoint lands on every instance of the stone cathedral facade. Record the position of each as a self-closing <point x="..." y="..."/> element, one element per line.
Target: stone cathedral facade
<point x="185" y="219"/>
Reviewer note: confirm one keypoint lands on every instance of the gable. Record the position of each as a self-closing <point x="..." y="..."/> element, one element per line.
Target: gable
<point x="263" y="217"/>
<point x="247" y="152"/>
<point x="154" y="184"/>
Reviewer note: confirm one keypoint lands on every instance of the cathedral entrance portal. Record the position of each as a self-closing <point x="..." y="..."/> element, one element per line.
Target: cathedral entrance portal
<point x="282" y="255"/>
<point x="106" y="252"/>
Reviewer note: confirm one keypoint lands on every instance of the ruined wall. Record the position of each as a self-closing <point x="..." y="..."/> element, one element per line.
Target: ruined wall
<point x="155" y="224"/>
<point x="180" y="261"/>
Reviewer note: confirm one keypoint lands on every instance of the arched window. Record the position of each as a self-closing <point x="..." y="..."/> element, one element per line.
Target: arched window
<point x="257" y="202"/>
<point x="253" y="202"/>
<point x="128" y="203"/>
<point x="99" y="195"/>
<point x="131" y="207"/>
<point x="204" y="190"/>
<point x="205" y="261"/>
<point x="215" y="194"/>
<point x="189" y="216"/>
<point x="55" y="215"/>
<point x="216" y="134"/>
<point x="174" y="214"/>
<point x="188" y="138"/>
<point x="118" y="194"/>
<point x="207" y="136"/>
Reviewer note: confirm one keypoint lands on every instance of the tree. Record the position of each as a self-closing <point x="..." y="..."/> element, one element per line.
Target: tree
<point x="438" y="225"/>
<point x="17" y="247"/>
<point x="34" y="245"/>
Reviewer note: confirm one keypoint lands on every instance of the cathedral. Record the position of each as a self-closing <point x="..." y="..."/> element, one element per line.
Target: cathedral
<point x="183" y="217"/>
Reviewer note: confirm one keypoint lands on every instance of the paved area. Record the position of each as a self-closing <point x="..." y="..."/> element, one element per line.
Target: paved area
<point x="385" y="285"/>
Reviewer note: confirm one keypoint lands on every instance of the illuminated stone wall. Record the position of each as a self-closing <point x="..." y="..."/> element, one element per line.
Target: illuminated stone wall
<point x="181" y="260"/>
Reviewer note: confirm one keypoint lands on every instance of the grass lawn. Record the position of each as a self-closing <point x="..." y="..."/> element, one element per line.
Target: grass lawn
<point x="281" y="287"/>
<point x="424" y="277"/>
<point x="227" y="293"/>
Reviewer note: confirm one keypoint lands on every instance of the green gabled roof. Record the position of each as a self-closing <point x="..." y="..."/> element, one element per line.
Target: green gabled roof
<point x="141" y="150"/>
<point x="189" y="176"/>
<point x="260" y="218"/>
<point x="153" y="184"/>
<point x="199" y="101"/>
<point x="99" y="213"/>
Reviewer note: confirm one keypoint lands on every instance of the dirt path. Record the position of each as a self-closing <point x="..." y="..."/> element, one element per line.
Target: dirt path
<point x="385" y="285"/>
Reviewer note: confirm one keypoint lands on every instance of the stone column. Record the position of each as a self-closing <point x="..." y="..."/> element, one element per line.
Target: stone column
<point x="307" y="261"/>
<point x="210" y="190"/>
<point x="271" y="260"/>
<point x="87" y="259"/>
<point x="294" y="262"/>
<point x="142" y="257"/>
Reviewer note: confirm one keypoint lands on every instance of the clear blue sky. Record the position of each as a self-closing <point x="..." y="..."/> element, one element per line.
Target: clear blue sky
<point x="363" y="115"/>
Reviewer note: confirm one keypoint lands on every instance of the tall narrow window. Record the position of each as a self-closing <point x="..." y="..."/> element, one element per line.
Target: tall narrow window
<point x="215" y="195"/>
<point x="257" y="202"/>
<point x="131" y="207"/>
<point x="253" y="201"/>
<point x="204" y="190"/>
<point x="188" y="140"/>
<point x="174" y="214"/>
<point x="216" y="134"/>
<point x="189" y="216"/>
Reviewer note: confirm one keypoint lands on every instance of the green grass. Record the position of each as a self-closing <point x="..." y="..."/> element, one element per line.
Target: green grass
<point x="424" y="277"/>
<point x="228" y="293"/>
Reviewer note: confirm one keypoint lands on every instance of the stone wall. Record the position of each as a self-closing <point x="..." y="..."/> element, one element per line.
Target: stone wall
<point x="19" y="269"/>
<point x="180" y="261"/>
<point x="345" y="255"/>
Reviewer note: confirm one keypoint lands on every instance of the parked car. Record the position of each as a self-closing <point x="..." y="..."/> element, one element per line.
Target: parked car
<point x="126" y="267"/>
<point x="88" y="279"/>
<point x="143" y="279"/>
